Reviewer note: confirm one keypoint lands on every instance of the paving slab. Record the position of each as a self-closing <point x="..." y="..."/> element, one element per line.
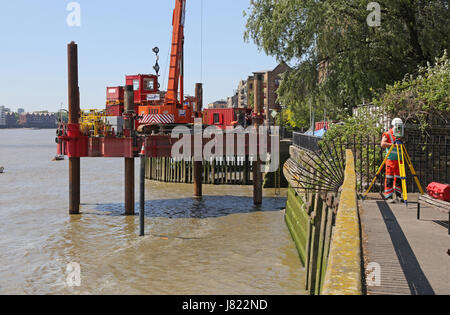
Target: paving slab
<point x="412" y="254"/>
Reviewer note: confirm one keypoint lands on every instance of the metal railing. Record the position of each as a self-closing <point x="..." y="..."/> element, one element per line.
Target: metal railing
<point x="430" y="160"/>
<point x="306" y="142"/>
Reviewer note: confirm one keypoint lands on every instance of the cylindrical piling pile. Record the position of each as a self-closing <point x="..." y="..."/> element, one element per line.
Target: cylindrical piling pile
<point x="142" y="196"/>
<point x="198" y="165"/>
<point x="129" y="162"/>
<point x="74" y="113"/>
<point x="258" y="109"/>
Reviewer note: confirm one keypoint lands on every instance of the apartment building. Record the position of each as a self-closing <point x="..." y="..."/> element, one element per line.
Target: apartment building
<point x="2" y="116"/>
<point x="271" y="83"/>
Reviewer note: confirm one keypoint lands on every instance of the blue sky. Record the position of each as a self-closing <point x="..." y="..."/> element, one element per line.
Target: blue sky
<point x="115" y="39"/>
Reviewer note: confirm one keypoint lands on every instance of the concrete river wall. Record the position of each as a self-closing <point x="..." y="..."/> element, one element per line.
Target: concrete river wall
<point x="326" y="230"/>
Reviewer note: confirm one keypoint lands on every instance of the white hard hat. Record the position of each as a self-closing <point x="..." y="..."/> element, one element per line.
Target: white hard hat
<point x="397" y="121"/>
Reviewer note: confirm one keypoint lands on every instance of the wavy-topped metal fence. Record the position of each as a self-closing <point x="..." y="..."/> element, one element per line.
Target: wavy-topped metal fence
<point x="430" y="160"/>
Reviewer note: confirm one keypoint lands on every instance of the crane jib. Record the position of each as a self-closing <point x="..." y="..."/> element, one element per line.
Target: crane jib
<point x="183" y="13"/>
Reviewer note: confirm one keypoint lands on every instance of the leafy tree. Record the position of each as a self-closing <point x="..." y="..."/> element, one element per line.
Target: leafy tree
<point x="337" y="59"/>
<point x="421" y="99"/>
<point x="424" y="99"/>
<point x="365" y="124"/>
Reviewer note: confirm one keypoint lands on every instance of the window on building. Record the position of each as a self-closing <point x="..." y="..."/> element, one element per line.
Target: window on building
<point x="216" y="119"/>
<point x="136" y="85"/>
<point x="149" y="84"/>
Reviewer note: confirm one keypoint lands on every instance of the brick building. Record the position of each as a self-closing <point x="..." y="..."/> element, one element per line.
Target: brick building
<point x="2" y="116"/>
<point x="11" y="120"/>
<point x="37" y="120"/>
<point x="271" y="83"/>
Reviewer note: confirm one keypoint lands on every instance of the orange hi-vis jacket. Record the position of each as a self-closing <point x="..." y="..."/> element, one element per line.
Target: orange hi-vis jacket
<point x="391" y="140"/>
<point x="393" y="179"/>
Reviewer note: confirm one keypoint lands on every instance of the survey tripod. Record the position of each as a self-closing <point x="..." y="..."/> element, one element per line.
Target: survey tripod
<point x="403" y="157"/>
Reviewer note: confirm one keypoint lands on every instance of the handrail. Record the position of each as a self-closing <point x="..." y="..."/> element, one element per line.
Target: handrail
<point x="307" y="142"/>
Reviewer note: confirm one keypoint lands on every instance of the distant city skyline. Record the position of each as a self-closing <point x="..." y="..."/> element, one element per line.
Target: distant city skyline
<point x="21" y="110"/>
<point x="115" y="40"/>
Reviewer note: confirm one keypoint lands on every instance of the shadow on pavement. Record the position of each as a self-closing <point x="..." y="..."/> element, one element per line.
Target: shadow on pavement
<point x="417" y="281"/>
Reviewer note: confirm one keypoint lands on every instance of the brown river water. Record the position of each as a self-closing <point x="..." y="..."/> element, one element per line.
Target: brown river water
<point x="220" y="245"/>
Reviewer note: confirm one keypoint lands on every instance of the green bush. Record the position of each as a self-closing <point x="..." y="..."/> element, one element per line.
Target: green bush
<point x="361" y="134"/>
<point x="422" y="100"/>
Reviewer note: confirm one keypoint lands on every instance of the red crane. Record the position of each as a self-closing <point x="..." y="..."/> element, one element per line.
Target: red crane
<point x="170" y="109"/>
<point x="176" y="56"/>
<point x="158" y="109"/>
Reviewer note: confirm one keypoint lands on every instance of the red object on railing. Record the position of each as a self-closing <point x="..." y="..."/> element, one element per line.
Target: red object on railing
<point x="322" y="125"/>
<point x="439" y="191"/>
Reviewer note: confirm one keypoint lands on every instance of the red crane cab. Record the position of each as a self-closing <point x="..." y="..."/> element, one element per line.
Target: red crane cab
<point x="145" y="86"/>
<point x="152" y="106"/>
<point x="160" y="113"/>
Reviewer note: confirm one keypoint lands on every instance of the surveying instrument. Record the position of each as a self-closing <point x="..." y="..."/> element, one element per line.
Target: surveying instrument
<point x="403" y="156"/>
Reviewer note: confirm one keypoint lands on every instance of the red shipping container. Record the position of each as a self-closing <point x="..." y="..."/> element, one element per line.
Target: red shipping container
<point x="223" y="117"/>
<point x="115" y="93"/>
<point x="114" y="110"/>
<point x="439" y="191"/>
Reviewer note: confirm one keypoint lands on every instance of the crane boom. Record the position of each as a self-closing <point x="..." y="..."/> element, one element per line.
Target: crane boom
<point x="174" y="109"/>
<point x="176" y="57"/>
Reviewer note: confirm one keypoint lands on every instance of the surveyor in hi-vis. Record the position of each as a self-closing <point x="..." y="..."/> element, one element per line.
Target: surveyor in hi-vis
<point x="393" y="185"/>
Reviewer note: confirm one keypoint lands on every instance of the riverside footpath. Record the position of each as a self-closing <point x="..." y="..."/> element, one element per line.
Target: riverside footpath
<point x="410" y="255"/>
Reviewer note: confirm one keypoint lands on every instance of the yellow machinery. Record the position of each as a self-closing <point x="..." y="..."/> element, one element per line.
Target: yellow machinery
<point x="93" y="123"/>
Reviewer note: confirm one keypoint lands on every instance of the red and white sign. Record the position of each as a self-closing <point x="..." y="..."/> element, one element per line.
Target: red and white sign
<point x="157" y="119"/>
